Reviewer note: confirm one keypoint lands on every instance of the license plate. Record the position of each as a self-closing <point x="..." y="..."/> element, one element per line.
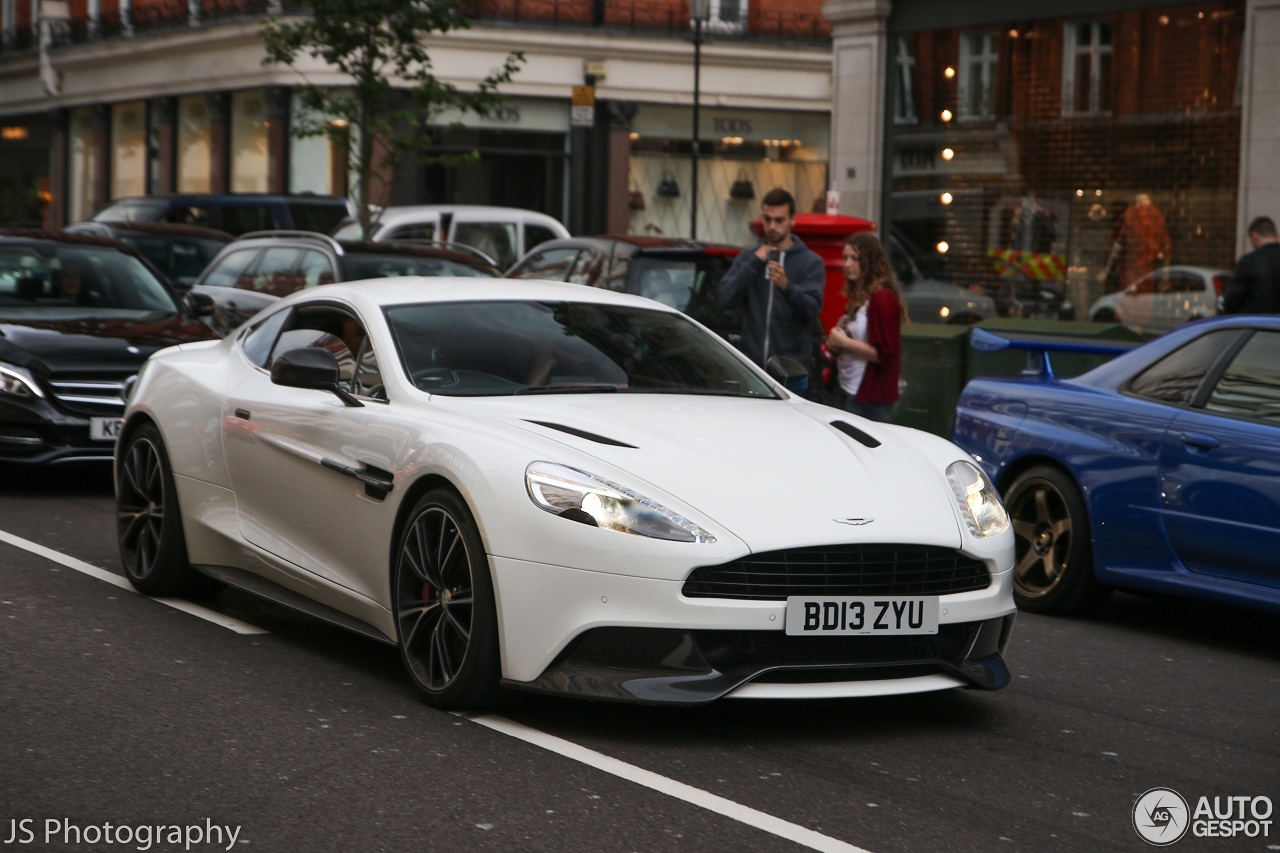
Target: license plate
<point x="104" y="429"/>
<point x="813" y="616"/>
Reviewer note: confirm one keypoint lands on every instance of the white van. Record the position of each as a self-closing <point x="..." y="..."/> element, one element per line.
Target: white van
<point x="505" y="234"/>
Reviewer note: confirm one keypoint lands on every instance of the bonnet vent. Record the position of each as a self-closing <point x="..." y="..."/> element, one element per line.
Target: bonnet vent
<point x="856" y="434"/>
<point x="581" y="433"/>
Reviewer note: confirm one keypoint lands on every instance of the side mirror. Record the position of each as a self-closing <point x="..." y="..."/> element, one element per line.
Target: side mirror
<point x="784" y="368"/>
<point x="310" y="367"/>
<point x="199" y="304"/>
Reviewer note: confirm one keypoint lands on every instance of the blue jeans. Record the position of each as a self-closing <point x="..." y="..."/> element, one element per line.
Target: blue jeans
<point x="870" y="411"/>
<point x="800" y="385"/>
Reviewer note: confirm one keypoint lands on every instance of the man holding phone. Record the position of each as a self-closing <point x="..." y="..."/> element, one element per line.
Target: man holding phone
<point x="779" y="287"/>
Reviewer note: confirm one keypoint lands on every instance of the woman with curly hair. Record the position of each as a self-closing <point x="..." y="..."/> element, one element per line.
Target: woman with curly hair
<point x="867" y="340"/>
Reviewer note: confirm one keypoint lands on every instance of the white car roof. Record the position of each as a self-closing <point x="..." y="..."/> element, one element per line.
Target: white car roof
<point x="470" y="212"/>
<point x="409" y="290"/>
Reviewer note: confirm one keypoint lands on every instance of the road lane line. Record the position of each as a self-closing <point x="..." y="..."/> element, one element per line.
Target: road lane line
<point x="662" y="784"/>
<point x="114" y="579"/>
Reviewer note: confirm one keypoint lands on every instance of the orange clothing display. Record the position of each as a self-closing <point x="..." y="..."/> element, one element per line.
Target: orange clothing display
<point x="1143" y="241"/>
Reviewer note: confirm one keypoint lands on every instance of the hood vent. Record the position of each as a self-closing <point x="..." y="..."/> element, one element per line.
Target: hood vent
<point x="856" y="434"/>
<point x="581" y="433"/>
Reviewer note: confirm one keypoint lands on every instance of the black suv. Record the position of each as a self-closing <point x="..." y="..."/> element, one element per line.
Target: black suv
<point x="256" y="270"/>
<point x="680" y="273"/>
<point x="181" y="252"/>
<point x="78" y="317"/>
<point x="235" y="213"/>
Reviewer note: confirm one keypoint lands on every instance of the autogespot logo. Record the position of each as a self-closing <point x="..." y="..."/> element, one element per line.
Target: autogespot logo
<point x="1160" y="817"/>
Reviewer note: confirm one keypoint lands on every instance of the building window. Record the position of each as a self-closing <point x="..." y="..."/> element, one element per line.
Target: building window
<point x="977" y="76"/>
<point x="195" y="155"/>
<point x="129" y="149"/>
<point x="83" y="165"/>
<point x="1086" y="68"/>
<point x="904" y="94"/>
<point x="248" y="142"/>
<point x="728" y="16"/>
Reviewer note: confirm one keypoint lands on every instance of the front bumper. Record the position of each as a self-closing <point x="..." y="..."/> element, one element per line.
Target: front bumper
<point x="33" y="432"/>
<point x="622" y="638"/>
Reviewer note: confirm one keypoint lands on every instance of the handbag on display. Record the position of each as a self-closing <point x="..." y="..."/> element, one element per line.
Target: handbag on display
<point x="742" y="188"/>
<point x="635" y="198"/>
<point x="667" y="187"/>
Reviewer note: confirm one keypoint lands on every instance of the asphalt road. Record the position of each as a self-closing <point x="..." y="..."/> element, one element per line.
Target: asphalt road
<point x="117" y="708"/>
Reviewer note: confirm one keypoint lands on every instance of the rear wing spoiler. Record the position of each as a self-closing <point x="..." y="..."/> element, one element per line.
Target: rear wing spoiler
<point x="1038" y="348"/>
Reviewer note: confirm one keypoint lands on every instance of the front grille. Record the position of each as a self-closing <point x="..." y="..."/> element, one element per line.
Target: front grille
<point x="738" y="651"/>
<point x="90" y="395"/>
<point x="840" y="570"/>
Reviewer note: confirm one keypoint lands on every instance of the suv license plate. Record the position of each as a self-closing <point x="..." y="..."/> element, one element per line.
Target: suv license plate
<point x="104" y="429"/>
<point x="812" y="616"/>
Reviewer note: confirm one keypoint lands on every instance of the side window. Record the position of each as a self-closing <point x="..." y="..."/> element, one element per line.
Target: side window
<point x="274" y="273"/>
<point x="228" y="270"/>
<point x="1175" y="378"/>
<point x="193" y="215"/>
<point x="586" y="269"/>
<point x="1144" y="287"/>
<point x="553" y="265"/>
<point x="258" y="343"/>
<point x="315" y="269"/>
<point x="536" y="235"/>
<point x="421" y="231"/>
<point x="495" y="239"/>
<point x="328" y="328"/>
<point x="1250" y="386"/>
<point x="242" y="219"/>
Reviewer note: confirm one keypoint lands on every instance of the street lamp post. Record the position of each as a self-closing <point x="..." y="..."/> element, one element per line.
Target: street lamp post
<point x="699" y="13"/>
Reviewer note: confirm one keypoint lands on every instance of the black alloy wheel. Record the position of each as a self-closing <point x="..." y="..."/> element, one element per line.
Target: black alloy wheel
<point x="446" y="620"/>
<point x="148" y="522"/>
<point x="1053" y="550"/>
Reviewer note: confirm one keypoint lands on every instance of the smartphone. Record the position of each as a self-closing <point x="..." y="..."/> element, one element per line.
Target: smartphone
<point x="773" y="256"/>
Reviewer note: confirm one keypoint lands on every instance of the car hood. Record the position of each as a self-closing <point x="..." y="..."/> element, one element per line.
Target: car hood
<point x="49" y="346"/>
<point x="773" y="473"/>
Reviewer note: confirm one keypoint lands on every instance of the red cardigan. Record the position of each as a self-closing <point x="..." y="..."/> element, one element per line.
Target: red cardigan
<point x="884" y="328"/>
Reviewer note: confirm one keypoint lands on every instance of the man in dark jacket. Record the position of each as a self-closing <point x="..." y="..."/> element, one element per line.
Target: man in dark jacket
<point x="780" y="299"/>
<point x="1255" y="287"/>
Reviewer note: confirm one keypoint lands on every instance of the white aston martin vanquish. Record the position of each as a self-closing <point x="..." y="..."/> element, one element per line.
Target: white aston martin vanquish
<point x="554" y="488"/>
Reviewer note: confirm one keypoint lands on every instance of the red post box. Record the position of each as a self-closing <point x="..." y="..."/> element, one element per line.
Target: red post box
<point x="825" y="234"/>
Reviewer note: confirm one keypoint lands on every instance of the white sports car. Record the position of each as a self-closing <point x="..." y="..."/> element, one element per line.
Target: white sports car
<point x="546" y="487"/>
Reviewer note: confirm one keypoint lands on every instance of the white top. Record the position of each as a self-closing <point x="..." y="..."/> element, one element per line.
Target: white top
<point x="851" y="366"/>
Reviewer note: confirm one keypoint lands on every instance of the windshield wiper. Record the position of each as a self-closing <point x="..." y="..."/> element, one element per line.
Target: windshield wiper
<point x="567" y="388"/>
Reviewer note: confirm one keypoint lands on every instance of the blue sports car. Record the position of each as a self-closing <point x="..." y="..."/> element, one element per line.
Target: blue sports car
<point x="1158" y="471"/>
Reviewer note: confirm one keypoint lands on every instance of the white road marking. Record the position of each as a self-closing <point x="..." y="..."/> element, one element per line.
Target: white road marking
<point x="670" y="787"/>
<point x="112" y="578"/>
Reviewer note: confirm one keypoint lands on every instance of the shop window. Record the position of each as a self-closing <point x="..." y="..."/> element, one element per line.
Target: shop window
<point x="248" y="142"/>
<point x="904" y="95"/>
<point x="129" y="149"/>
<point x="1086" y="68"/>
<point x="977" y="76"/>
<point x="83" y="166"/>
<point x="195" y="155"/>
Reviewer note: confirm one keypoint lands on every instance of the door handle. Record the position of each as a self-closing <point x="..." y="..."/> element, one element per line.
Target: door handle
<point x="377" y="483"/>
<point x="1200" y="442"/>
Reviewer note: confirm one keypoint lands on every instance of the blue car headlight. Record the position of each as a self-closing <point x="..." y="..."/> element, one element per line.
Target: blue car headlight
<point x="978" y="500"/>
<point x="586" y="498"/>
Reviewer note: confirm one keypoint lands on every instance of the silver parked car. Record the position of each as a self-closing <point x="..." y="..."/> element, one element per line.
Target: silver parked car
<point x="932" y="301"/>
<point x="1163" y="300"/>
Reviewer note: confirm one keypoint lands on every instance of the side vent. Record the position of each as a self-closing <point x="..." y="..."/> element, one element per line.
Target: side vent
<point x="581" y="433"/>
<point x="856" y="434"/>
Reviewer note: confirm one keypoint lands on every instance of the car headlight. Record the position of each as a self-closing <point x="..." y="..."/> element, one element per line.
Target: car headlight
<point x="979" y="503"/>
<point x="18" y="382"/>
<point x="582" y="497"/>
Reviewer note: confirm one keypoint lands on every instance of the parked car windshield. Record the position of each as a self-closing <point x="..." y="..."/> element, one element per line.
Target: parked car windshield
<point x="78" y="283"/>
<point x="490" y="348"/>
<point x="362" y="265"/>
<point x="321" y="217"/>
<point x="182" y="259"/>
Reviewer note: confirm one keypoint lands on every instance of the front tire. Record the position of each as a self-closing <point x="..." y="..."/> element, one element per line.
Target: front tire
<point x="148" y="520"/>
<point x="1053" y="565"/>
<point x="446" y="619"/>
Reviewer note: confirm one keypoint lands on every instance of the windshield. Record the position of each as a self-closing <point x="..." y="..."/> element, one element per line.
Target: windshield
<point x="182" y="259"/>
<point x="496" y="348"/>
<point x="78" y="283"/>
<point x="321" y="217"/>
<point x="360" y="266"/>
<point x="132" y="211"/>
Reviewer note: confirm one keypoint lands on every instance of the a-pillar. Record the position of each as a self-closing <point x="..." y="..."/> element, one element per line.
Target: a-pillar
<point x="101" y="156"/>
<point x="166" y="110"/>
<point x="57" y="210"/>
<point x="859" y="46"/>
<point x="277" y="98"/>
<point x="1259" y="119"/>
<point x="219" y="141"/>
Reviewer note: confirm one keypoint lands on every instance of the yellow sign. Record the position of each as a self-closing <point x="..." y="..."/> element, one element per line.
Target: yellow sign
<point x="584" y="96"/>
<point x="14" y="133"/>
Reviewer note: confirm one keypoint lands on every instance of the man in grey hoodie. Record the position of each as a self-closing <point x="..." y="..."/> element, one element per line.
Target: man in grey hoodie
<point x="779" y="298"/>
